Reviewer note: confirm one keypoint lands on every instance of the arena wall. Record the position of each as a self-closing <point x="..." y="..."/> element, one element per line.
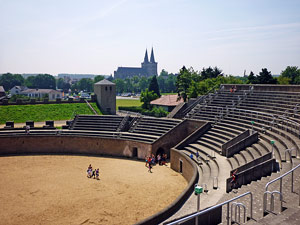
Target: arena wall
<point x="72" y="145"/>
<point x="190" y="173"/>
<point x="178" y="133"/>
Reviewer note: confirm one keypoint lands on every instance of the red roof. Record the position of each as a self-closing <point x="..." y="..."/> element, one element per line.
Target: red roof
<point x="167" y="100"/>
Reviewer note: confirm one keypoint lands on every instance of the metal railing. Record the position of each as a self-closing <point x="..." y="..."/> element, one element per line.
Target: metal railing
<point x="280" y="187"/>
<point x="237" y="215"/>
<point x="228" y="218"/>
<point x="265" y="200"/>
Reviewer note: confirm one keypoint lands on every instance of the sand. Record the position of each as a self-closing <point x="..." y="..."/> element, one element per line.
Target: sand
<point x="51" y="189"/>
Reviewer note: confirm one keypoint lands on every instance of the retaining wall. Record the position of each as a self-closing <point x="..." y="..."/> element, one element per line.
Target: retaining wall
<point x="244" y="143"/>
<point x="252" y="174"/>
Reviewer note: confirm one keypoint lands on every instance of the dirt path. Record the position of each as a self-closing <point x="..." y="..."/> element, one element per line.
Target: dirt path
<point x="55" y="190"/>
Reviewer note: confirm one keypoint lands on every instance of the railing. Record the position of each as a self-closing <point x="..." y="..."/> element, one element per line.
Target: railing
<point x="197" y="214"/>
<point x="280" y="187"/>
<point x="237" y="206"/>
<point x="200" y="99"/>
<point x="272" y="201"/>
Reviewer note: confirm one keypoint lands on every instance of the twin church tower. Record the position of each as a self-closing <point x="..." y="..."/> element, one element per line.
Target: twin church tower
<point x="148" y="69"/>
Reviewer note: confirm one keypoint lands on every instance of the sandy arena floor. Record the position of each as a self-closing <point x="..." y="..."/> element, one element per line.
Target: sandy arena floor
<point x="55" y="190"/>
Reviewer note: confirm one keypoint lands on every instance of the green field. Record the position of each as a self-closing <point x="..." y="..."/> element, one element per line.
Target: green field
<point x="168" y="93"/>
<point x="128" y="102"/>
<point x="43" y="112"/>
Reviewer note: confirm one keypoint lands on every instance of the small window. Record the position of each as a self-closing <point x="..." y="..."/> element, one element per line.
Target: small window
<point x="110" y="88"/>
<point x="105" y="88"/>
<point x="53" y="95"/>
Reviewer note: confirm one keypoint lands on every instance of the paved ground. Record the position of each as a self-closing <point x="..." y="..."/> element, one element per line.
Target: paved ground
<point x="55" y="190"/>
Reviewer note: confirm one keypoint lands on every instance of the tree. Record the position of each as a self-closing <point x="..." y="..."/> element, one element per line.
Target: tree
<point x="252" y="79"/>
<point x="183" y="82"/>
<point x="283" y="80"/>
<point x="120" y="85"/>
<point x="44" y="81"/>
<point x="98" y="78"/>
<point x="265" y="77"/>
<point x="153" y="86"/>
<point x="143" y="83"/>
<point x="60" y="83"/>
<point x="291" y="72"/>
<point x="162" y="83"/>
<point x="9" y="80"/>
<point x="211" y="73"/>
<point x="146" y="97"/>
<point x="85" y="84"/>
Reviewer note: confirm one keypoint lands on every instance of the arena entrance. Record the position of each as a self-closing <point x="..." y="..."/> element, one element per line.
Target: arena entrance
<point x="160" y="151"/>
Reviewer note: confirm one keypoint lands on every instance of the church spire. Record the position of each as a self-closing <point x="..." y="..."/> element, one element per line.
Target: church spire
<point x="146" y="59"/>
<point x="152" y="56"/>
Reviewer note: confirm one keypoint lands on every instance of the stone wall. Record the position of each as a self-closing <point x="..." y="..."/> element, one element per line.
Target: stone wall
<point x="178" y="133"/>
<point x="252" y="174"/>
<point x="264" y="87"/>
<point x="56" y="144"/>
<point x="240" y="145"/>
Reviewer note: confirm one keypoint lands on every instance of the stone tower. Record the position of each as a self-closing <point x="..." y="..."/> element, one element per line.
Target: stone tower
<point x="105" y="92"/>
<point x="150" y="66"/>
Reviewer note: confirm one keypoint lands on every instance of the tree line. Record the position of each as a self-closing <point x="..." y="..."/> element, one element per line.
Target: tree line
<point x="188" y="83"/>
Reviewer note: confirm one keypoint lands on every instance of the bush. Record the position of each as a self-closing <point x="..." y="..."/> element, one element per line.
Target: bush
<point x="157" y="112"/>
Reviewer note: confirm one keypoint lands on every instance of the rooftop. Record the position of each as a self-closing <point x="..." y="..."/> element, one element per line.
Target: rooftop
<point x="105" y="82"/>
<point x="167" y="100"/>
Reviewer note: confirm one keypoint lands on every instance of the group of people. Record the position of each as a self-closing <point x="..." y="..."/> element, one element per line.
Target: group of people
<point x="151" y="161"/>
<point x="233" y="89"/>
<point x="92" y="173"/>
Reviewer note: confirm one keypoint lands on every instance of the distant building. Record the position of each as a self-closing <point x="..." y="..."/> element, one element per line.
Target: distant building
<point x="148" y="69"/>
<point x="167" y="102"/>
<point x="105" y="92"/>
<point x="16" y="90"/>
<point x="36" y="93"/>
<point x="2" y="91"/>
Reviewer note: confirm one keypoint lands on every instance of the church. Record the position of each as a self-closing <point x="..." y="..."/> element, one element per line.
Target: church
<point x="148" y="69"/>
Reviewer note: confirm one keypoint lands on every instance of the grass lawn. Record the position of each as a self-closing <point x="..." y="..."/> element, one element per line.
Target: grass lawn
<point x="168" y="93"/>
<point x="128" y="102"/>
<point x="43" y="112"/>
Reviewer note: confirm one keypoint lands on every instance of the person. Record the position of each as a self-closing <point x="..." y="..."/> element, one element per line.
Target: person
<point x="197" y="155"/>
<point x="89" y="171"/>
<point x="165" y="159"/>
<point x="150" y="167"/>
<point x="94" y="174"/>
<point x="153" y="159"/>
<point x="191" y="156"/>
<point x="27" y="129"/>
<point x="235" y="89"/>
<point x="234" y="179"/>
<point x="97" y="174"/>
<point x="159" y="159"/>
<point x="146" y="159"/>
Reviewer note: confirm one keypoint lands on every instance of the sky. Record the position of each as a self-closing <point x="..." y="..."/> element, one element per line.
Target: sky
<point x="96" y="36"/>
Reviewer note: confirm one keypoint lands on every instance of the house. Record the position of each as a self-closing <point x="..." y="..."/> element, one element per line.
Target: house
<point x="2" y="91"/>
<point x="167" y="102"/>
<point x="41" y="93"/>
<point x="16" y="90"/>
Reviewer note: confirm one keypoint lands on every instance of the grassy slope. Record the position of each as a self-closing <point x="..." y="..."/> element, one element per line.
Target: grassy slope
<point x="128" y="102"/>
<point x="22" y="113"/>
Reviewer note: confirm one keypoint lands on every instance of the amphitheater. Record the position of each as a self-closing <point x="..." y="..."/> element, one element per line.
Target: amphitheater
<point x="253" y="132"/>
